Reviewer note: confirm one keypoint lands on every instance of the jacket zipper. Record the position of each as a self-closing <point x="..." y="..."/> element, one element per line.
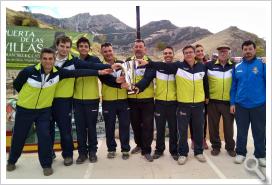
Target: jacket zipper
<point x="39" y="95"/>
<point x="167" y="87"/>
<point x="247" y="73"/>
<point x="82" y="87"/>
<point x="117" y="93"/>
<point x="193" y="84"/>
<point x="223" y="83"/>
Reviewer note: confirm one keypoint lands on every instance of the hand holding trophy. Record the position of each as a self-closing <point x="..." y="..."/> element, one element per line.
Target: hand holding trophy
<point x="129" y="71"/>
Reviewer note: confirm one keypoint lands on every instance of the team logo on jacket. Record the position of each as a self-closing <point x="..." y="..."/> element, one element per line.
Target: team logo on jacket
<point x="201" y="75"/>
<point x="255" y="70"/>
<point x="50" y="81"/>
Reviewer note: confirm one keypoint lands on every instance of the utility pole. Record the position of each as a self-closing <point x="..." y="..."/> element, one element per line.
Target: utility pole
<point x="138" y="22"/>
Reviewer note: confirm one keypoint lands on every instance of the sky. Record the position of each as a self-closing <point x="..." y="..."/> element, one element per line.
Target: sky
<point x="251" y="16"/>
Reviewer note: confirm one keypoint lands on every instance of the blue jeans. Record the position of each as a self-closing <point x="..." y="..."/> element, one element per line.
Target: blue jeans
<point x="255" y="116"/>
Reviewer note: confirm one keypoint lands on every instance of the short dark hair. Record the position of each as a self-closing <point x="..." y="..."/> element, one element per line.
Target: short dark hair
<point x="198" y="45"/>
<point x="188" y="46"/>
<point x="47" y="50"/>
<point x="140" y="40"/>
<point x="106" y="44"/>
<point x="83" y="39"/>
<point x="63" y="39"/>
<point x="247" y="43"/>
<point x="169" y="47"/>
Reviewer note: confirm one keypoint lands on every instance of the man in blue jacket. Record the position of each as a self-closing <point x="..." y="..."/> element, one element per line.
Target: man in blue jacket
<point x="248" y="102"/>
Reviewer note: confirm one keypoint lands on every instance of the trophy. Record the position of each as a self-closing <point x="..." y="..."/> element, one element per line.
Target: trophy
<point x="129" y="70"/>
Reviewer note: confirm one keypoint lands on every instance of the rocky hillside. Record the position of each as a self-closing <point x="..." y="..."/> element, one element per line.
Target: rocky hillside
<point x="109" y="28"/>
<point x="233" y="37"/>
<point x="157" y="34"/>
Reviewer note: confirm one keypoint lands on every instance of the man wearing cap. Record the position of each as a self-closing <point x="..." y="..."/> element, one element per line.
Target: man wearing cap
<point x="220" y="78"/>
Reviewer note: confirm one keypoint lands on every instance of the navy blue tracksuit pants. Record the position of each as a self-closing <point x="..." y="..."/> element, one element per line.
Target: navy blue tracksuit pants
<point x="142" y="122"/>
<point x="111" y="109"/>
<point x="62" y="115"/>
<point x="185" y="113"/>
<point x="205" y="124"/>
<point x="257" y="118"/>
<point x="166" y="112"/>
<point x="23" y="121"/>
<point x="86" y="118"/>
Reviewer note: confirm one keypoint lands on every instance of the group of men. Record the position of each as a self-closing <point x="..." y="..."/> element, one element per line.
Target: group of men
<point x="184" y="93"/>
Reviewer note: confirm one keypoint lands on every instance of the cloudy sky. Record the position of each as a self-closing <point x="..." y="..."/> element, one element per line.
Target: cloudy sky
<point x="251" y="16"/>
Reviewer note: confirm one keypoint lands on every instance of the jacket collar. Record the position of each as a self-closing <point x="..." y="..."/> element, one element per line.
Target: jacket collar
<point x="39" y="67"/>
<point x="228" y="62"/>
<point x="145" y="58"/>
<point x="250" y="61"/>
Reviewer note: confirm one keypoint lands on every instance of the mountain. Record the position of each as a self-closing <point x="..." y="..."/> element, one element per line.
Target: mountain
<point x="110" y="29"/>
<point x="155" y="26"/>
<point x="85" y="22"/>
<point x="232" y="36"/>
<point x="157" y="34"/>
<point x="20" y="18"/>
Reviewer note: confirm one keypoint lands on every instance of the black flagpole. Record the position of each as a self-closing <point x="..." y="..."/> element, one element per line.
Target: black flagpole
<point x="138" y="22"/>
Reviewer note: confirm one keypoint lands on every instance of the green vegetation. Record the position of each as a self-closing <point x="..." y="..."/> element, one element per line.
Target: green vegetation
<point x="18" y="65"/>
<point x="161" y="45"/>
<point x="24" y="19"/>
<point x="260" y="50"/>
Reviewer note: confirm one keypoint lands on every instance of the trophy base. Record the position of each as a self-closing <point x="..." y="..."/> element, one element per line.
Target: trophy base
<point x="131" y="92"/>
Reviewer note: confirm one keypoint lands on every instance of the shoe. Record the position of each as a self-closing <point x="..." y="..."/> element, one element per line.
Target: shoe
<point x="47" y="171"/>
<point x="81" y="159"/>
<point x="111" y="155"/>
<point x="125" y="155"/>
<point x="215" y="152"/>
<point x="205" y="145"/>
<point x="232" y="153"/>
<point x="262" y="162"/>
<point x="175" y="157"/>
<point x="156" y="156"/>
<point x="200" y="158"/>
<point x="239" y="159"/>
<point x="192" y="144"/>
<point x="148" y="157"/>
<point x="11" y="167"/>
<point x="68" y="161"/>
<point x="182" y="160"/>
<point x="136" y="150"/>
<point x="93" y="158"/>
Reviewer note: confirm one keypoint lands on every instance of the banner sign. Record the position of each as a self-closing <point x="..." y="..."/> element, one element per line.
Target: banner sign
<point x="23" y="44"/>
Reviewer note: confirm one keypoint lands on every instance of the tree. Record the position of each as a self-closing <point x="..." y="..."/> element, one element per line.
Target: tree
<point x="27" y="9"/>
<point x="160" y="46"/>
<point x="101" y="38"/>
